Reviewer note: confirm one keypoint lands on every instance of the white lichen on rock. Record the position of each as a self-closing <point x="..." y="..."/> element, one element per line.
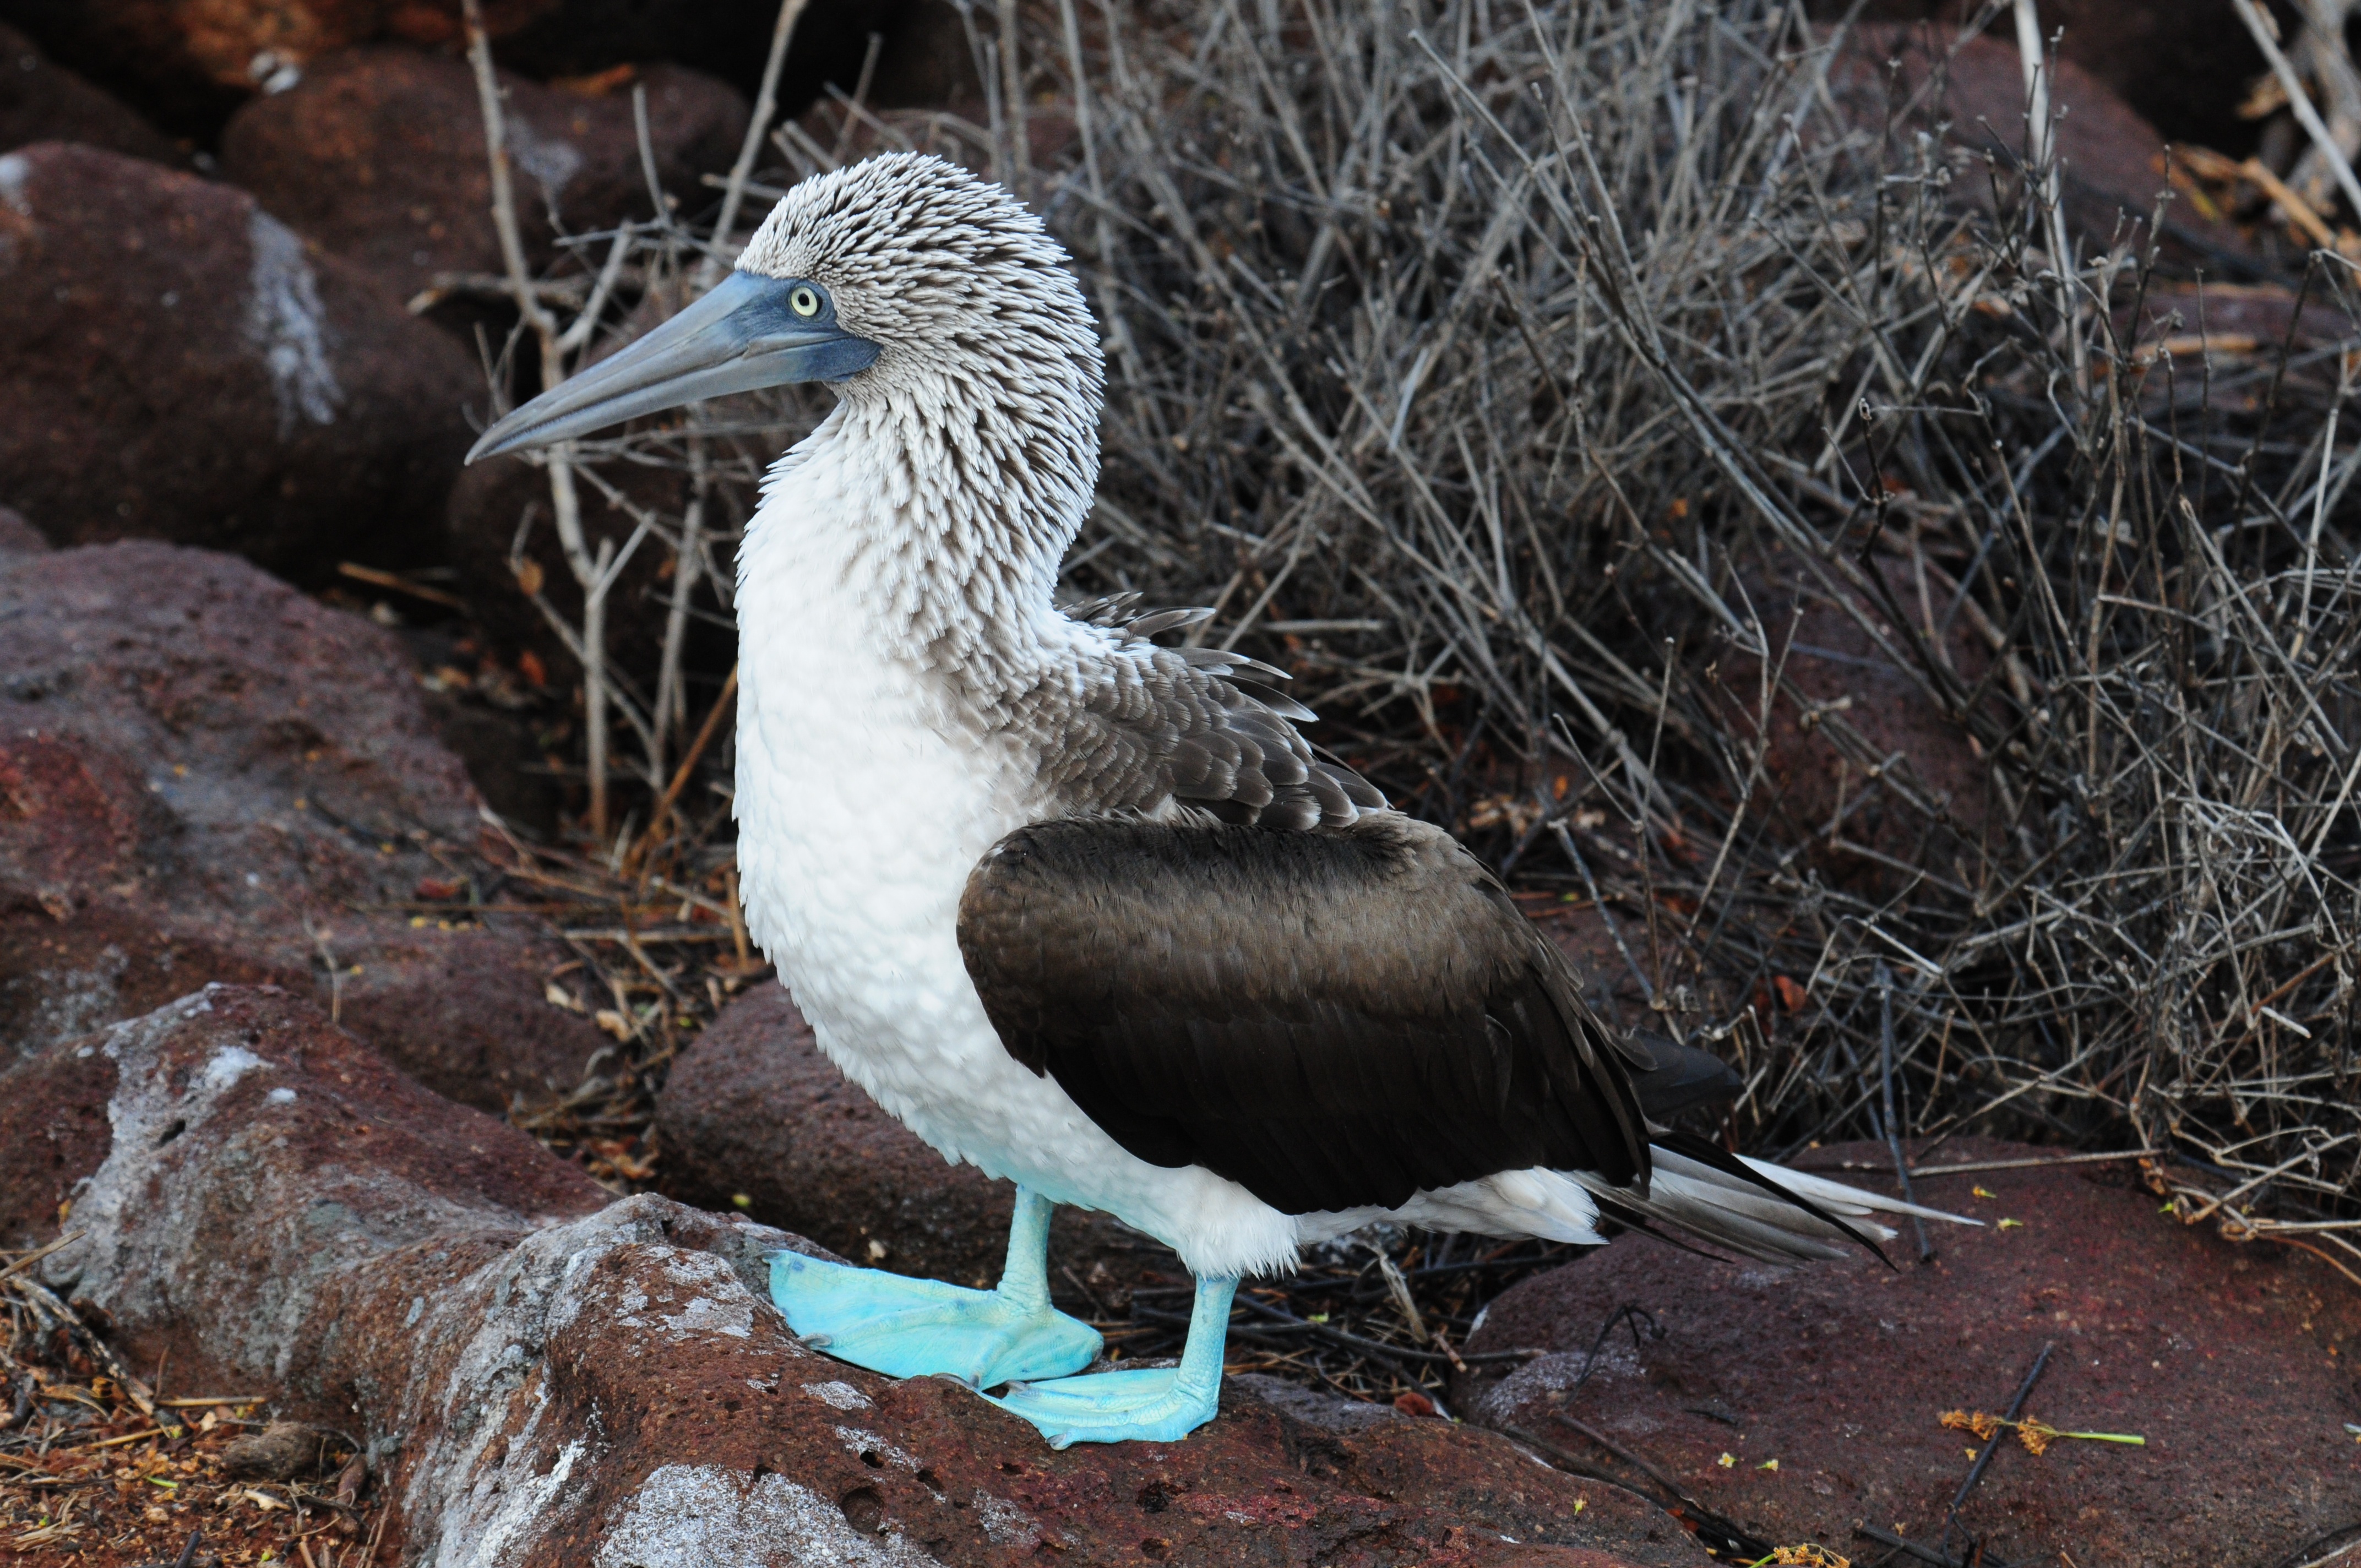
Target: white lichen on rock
<point x="700" y="1515"/>
<point x="288" y="326"/>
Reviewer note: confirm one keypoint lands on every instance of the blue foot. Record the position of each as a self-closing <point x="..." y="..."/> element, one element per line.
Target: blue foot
<point x="1163" y="1405"/>
<point x="1159" y="1405"/>
<point x="916" y="1328"/>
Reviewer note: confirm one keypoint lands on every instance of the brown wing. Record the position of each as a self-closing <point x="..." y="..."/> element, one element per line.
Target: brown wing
<point x="1150" y="725"/>
<point x="1331" y="1018"/>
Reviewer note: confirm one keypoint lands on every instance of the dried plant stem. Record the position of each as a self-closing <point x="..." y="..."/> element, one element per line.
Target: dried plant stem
<point x="1012" y="101"/>
<point x="2266" y="36"/>
<point x="672" y="697"/>
<point x="766" y="104"/>
<point x="589" y="569"/>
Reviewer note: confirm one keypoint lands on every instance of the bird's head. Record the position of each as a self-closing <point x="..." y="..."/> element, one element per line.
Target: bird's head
<point x="902" y="276"/>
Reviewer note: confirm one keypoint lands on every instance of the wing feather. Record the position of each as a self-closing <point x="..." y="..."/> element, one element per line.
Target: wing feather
<point x="1204" y="726"/>
<point x="1333" y="1018"/>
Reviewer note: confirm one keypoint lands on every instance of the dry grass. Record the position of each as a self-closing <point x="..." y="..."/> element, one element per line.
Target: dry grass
<point x="1521" y="378"/>
<point x="100" y="1468"/>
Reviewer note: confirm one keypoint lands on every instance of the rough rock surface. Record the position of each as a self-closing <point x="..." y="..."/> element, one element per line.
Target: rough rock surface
<point x="1839" y="671"/>
<point x="377" y="155"/>
<point x="2184" y="68"/>
<point x="16" y="535"/>
<point x="193" y="62"/>
<point x="175" y="363"/>
<point x="540" y="1379"/>
<point x="2110" y="156"/>
<point x="752" y="1109"/>
<point x="41" y="101"/>
<point x="202" y="773"/>
<point x="2235" y="1363"/>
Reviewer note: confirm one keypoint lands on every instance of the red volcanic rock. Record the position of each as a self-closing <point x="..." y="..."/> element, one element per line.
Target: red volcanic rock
<point x="754" y="1110"/>
<point x="2231" y="1361"/>
<point x="192" y="63"/>
<point x="2183" y="67"/>
<point x="206" y="776"/>
<point x="175" y="363"/>
<point x="16" y="535"/>
<point x="40" y="100"/>
<point x="539" y="1379"/>
<point x="2111" y="158"/>
<point x="377" y="155"/>
<point x="1854" y="710"/>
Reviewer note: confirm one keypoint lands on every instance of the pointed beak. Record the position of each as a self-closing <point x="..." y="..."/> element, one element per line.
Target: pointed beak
<point x="741" y="336"/>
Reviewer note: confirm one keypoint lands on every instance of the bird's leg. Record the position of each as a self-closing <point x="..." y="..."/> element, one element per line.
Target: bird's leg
<point x="916" y="1328"/>
<point x="1163" y="1405"/>
<point x="1025" y="1277"/>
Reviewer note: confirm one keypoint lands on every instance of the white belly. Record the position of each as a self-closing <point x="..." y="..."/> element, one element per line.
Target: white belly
<point x="859" y="819"/>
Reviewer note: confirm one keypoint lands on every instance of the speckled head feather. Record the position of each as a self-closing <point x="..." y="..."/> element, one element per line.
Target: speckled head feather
<point x="980" y="416"/>
<point x="954" y="277"/>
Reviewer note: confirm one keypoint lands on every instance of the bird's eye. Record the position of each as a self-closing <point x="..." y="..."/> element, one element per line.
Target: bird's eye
<point x="805" y="301"/>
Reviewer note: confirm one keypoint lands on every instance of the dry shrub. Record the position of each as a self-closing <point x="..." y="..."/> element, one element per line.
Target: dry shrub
<point x="1523" y="378"/>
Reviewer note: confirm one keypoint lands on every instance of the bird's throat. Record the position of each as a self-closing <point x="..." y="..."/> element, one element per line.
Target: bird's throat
<point x="941" y="512"/>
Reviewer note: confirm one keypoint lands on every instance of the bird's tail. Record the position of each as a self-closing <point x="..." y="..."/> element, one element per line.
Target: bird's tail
<point x="1752" y="1206"/>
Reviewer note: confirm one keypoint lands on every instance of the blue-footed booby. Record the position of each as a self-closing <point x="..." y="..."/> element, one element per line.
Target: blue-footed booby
<point x="1080" y="909"/>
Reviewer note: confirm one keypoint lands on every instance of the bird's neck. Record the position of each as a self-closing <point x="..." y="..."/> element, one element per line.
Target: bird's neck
<point x="954" y="509"/>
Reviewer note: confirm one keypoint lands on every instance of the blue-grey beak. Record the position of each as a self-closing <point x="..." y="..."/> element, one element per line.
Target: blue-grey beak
<point x="741" y="336"/>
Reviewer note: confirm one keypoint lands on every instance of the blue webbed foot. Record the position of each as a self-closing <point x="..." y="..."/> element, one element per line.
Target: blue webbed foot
<point x="913" y="1328"/>
<point x="1155" y="1405"/>
<point x="917" y="1328"/>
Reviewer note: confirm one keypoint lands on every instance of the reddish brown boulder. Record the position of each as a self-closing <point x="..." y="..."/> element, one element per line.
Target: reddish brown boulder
<point x="2183" y="67"/>
<point x="2110" y="156"/>
<point x="754" y="1110"/>
<point x="377" y="155"/>
<point x="1864" y="730"/>
<point x="206" y="774"/>
<point x="192" y="63"/>
<point x="2233" y="1362"/>
<point x="40" y="100"/>
<point x="539" y="1380"/>
<point x="175" y="363"/>
<point x="17" y="534"/>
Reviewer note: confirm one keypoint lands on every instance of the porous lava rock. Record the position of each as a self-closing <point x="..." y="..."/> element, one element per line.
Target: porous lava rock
<point x="2235" y="1362"/>
<point x="540" y="1376"/>
<point x="42" y="101"/>
<point x="17" y="534"/>
<point x="176" y="363"/>
<point x="2184" y="67"/>
<point x="207" y="775"/>
<point x="1853" y="734"/>
<point x="754" y="1110"/>
<point x="193" y="62"/>
<point x="377" y="155"/>
<point x="2111" y="158"/>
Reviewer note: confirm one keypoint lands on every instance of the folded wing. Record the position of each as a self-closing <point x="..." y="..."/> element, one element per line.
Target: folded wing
<point x="1332" y="1018"/>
